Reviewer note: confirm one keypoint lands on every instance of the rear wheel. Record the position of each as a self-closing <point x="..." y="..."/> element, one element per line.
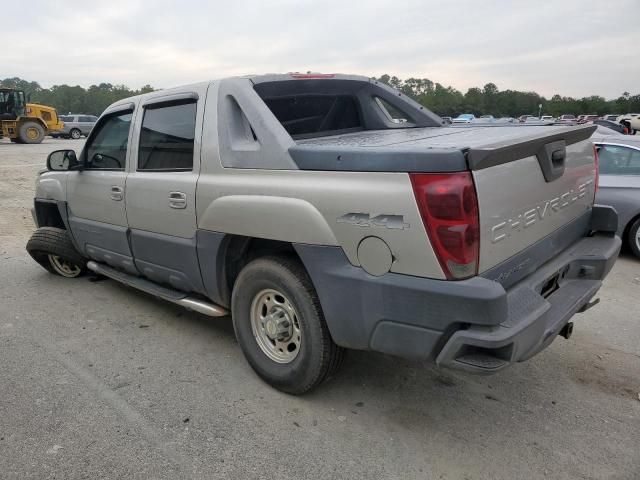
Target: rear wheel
<point x="52" y="249"/>
<point x="31" y="132"/>
<point x="633" y="238"/>
<point x="280" y="326"/>
<point x="75" y="133"/>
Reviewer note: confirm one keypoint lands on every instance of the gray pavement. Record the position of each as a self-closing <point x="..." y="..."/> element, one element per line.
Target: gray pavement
<point x="99" y="381"/>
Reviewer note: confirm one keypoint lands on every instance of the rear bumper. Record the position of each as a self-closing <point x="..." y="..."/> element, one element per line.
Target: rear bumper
<point x="533" y="321"/>
<point x="475" y="324"/>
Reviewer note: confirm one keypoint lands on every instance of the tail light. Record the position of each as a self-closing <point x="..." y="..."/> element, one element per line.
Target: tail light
<point x="448" y="205"/>
<point x="597" y="179"/>
<point x="306" y="76"/>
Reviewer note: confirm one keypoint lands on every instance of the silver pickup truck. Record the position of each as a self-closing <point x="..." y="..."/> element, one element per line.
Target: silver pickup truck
<point x="331" y="212"/>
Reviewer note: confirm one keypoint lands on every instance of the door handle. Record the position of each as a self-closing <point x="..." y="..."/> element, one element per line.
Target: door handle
<point x="178" y="200"/>
<point x="117" y="193"/>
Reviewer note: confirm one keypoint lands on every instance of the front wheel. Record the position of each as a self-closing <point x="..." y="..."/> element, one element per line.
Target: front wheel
<point x="633" y="238"/>
<point x="280" y="327"/>
<point x="52" y="249"/>
<point x="75" y="133"/>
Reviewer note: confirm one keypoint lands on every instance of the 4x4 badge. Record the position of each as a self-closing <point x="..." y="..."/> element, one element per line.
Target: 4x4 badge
<point x="394" y="222"/>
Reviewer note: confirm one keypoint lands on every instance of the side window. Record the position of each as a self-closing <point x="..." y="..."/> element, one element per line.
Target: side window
<point x="391" y="112"/>
<point x="634" y="162"/>
<point x="106" y="148"/>
<point x="618" y="160"/>
<point x="167" y="136"/>
<point x="84" y="119"/>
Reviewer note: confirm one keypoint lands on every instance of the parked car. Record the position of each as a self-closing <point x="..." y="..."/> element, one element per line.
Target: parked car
<point x="619" y="183"/>
<point x="587" y="118"/>
<point x="447" y="120"/>
<point x="485" y="119"/>
<point x="523" y="118"/>
<point x="547" y="118"/>
<point x="633" y="120"/>
<point x="76" y="126"/>
<point x="296" y="204"/>
<point x="464" y="118"/>
<point x="610" y="117"/>
<point x="567" y="119"/>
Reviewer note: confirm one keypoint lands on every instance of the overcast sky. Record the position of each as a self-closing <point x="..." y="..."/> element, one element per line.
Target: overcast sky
<point x="575" y="48"/>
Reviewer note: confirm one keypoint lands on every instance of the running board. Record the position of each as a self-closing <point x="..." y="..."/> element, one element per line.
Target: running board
<point x="168" y="294"/>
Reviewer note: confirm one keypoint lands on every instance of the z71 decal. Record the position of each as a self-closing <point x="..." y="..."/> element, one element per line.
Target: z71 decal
<point x="393" y="222"/>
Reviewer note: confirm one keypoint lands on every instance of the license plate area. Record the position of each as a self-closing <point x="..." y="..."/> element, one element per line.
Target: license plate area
<point x="551" y="284"/>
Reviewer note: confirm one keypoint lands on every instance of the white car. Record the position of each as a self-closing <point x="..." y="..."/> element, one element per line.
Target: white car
<point x="634" y="121"/>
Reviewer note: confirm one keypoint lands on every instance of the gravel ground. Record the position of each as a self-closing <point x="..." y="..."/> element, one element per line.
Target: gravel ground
<point x="99" y="381"/>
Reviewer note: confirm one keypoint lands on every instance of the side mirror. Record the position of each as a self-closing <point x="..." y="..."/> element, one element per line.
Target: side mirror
<point x="62" y="160"/>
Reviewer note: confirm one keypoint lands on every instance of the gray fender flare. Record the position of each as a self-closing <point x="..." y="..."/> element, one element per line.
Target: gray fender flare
<point x="269" y="217"/>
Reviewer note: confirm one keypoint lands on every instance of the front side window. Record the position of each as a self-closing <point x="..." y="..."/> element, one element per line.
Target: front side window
<point x="106" y="148"/>
<point x="618" y="160"/>
<point x="167" y="137"/>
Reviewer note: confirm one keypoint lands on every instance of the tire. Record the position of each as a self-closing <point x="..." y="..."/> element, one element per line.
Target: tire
<point x="75" y="133"/>
<point x="283" y="283"/>
<point x="52" y="249"/>
<point x="31" y="132"/>
<point x="633" y="238"/>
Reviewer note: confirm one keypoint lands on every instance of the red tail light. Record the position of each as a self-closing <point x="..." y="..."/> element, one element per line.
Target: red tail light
<point x="597" y="163"/>
<point x="448" y="205"/>
<point x="299" y="76"/>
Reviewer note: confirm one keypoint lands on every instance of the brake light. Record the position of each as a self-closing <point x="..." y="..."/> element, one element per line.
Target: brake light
<point x="300" y="76"/>
<point x="597" y="163"/>
<point x="448" y="205"/>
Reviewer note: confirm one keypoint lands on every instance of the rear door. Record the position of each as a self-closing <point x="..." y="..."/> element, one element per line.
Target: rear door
<point x="96" y="195"/>
<point x="161" y="187"/>
<point x="85" y="124"/>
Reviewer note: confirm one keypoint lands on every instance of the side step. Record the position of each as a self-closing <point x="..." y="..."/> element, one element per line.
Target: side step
<point x="168" y="294"/>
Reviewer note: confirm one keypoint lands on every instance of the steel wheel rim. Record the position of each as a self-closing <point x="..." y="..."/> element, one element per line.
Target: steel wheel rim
<point x="64" y="267"/>
<point x="33" y="133"/>
<point x="276" y="326"/>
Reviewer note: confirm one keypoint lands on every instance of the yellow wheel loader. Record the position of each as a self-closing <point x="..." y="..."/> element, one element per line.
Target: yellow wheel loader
<point x="24" y="122"/>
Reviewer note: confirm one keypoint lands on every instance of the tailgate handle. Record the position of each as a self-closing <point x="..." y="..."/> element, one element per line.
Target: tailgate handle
<point x="551" y="158"/>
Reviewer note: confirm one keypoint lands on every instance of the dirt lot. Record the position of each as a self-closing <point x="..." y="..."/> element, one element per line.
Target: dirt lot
<point x="98" y="381"/>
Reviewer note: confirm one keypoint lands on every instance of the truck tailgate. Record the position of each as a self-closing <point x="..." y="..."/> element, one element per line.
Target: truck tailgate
<point x="530" y="187"/>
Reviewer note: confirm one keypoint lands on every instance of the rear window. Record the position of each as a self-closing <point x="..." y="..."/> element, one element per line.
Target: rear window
<point x="303" y="115"/>
<point x="167" y="137"/>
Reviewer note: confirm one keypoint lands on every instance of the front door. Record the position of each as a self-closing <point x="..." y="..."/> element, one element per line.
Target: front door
<point x="161" y="188"/>
<point x="96" y="194"/>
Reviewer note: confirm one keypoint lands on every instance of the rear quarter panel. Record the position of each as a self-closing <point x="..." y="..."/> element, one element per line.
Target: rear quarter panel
<point x="304" y="206"/>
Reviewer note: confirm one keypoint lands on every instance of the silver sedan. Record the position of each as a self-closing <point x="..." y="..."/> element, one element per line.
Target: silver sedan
<point x="619" y="185"/>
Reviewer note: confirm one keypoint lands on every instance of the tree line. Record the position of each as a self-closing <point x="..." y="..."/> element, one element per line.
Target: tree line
<point x="445" y="101"/>
<point x="67" y="99"/>
<point x="488" y="100"/>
